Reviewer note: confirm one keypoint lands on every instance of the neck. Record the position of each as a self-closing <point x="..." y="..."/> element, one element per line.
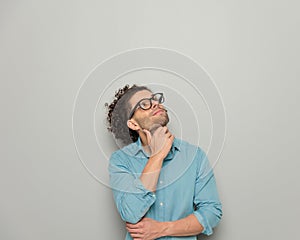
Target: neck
<point x="144" y="141"/>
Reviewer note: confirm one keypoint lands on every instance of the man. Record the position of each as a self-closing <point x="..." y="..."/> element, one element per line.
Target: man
<point x="162" y="186"/>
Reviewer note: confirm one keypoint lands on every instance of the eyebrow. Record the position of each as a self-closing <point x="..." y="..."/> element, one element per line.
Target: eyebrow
<point x="133" y="105"/>
<point x="146" y="97"/>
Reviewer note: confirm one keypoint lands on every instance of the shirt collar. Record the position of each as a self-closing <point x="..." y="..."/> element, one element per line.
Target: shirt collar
<point x="136" y="148"/>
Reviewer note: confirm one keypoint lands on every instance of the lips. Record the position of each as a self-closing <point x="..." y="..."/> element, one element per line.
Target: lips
<point x="158" y="111"/>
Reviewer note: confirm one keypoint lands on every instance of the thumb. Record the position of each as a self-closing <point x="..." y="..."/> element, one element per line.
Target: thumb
<point x="148" y="135"/>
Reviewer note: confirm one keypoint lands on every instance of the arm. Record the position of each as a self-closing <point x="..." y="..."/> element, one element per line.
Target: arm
<point x="132" y="199"/>
<point x="134" y="196"/>
<point x="207" y="214"/>
<point x="148" y="228"/>
<point x="159" y="146"/>
<point x="188" y="226"/>
<point x="208" y="208"/>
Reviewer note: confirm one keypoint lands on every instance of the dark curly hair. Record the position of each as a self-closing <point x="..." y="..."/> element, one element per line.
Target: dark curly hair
<point x="118" y="113"/>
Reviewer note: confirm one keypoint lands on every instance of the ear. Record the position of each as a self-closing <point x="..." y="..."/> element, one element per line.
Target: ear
<point x="133" y="125"/>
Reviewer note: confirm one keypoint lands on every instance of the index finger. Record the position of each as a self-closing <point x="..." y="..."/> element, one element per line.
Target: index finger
<point x="132" y="226"/>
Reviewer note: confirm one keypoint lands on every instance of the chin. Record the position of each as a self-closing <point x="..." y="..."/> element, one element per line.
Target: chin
<point x="164" y="121"/>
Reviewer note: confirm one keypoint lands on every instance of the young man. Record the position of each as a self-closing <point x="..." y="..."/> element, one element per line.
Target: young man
<point x="162" y="186"/>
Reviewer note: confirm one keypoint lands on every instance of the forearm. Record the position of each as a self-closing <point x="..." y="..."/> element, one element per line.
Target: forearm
<point x="188" y="226"/>
<point x="159" y="145"/>
<point x="150" y="174"/>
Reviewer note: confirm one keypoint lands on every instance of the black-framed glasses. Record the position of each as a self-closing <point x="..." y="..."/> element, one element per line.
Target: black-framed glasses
<point x="146" y="103"/>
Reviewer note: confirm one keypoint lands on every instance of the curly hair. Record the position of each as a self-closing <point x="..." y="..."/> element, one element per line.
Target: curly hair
<point x="118" y="113"/>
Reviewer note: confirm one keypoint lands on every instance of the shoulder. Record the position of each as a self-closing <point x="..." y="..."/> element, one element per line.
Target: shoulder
<point x="193" y="152"/>
<point x="122" y="154"/>
<point x="185" y="146"/>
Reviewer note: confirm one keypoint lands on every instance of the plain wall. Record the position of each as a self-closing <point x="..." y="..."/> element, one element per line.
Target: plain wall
<point x="47" y="49"/>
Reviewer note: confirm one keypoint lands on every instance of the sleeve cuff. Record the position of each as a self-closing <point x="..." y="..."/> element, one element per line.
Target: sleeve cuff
<point x="136" y="205"/>
<point x="207" y="230"/>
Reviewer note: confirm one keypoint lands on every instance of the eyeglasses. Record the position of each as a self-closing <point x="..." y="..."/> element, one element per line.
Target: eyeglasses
<point x="146" y="103"/>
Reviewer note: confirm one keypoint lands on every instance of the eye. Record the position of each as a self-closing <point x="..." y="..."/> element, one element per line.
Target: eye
<point x="145" y="104"/>
<point x="156" y="97"/>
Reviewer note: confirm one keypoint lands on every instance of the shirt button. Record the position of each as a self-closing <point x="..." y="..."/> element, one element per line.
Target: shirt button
<point x="153" y="195"/>
<point x="161" y="203"/>
<point x="161" y="182"/>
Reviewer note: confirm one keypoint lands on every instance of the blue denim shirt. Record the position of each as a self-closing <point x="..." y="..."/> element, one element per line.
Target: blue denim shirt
<point x="186" y="185"/>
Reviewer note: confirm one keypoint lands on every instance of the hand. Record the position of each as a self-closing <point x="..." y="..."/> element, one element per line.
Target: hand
<point x="160" y="142"/>
<point x="146" y="229"/>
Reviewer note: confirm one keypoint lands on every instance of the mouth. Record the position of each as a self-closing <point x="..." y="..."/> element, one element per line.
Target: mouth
<point x="158" y="112"/>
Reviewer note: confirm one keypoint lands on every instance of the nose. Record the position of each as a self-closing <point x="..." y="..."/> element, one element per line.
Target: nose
<point x="154" y="104"/>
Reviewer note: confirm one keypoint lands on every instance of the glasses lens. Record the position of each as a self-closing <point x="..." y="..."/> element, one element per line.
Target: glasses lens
<point x="158" y="97"/>
<point x="145" y="104"/>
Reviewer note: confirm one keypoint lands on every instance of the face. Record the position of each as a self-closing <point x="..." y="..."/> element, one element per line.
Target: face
<point x="145" y="119"/>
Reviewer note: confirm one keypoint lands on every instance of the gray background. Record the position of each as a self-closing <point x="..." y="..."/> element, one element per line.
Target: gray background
<point x="250" y="48"/>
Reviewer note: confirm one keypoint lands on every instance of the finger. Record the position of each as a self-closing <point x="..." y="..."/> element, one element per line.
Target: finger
<point x="165" y="129"/>
<point x="154" y="128"/>
<point x="148" y="135"/>
<point x="169" y="141"/>
<point x="168" y="134"/>
<point x="136" y="236"/>
<point x="132" y="226"/>
<point x="172" y="137"/>
<point x="157" y="130"/>
<point x="133" y="231"/>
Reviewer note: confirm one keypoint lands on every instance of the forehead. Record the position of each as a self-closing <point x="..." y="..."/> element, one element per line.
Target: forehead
<point x="139" y="95"/>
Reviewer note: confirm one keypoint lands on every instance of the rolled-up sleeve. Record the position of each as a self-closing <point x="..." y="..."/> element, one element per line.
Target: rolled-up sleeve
<point x="132" y="199"/>
<point x="208" y="208"/>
